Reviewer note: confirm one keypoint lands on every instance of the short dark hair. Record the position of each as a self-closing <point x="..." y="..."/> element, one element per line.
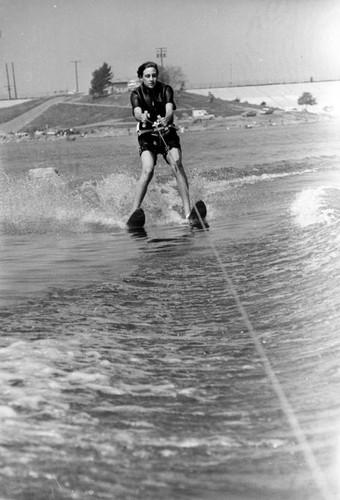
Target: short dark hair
<point x="145" y="65"/>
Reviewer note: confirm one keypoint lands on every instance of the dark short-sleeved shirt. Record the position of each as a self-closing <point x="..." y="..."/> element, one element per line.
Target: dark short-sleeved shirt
<point x="154" y="100"/>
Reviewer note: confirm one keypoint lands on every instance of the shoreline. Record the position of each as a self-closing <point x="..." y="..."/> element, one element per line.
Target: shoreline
<point x="119" y="129"/>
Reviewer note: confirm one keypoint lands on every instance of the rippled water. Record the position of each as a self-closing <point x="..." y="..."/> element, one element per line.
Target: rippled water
<point x="128" y="369"/>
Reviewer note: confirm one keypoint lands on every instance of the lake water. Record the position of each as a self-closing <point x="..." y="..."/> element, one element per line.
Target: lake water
<point x="178" y="363"/>
<point x="284" y="96"/>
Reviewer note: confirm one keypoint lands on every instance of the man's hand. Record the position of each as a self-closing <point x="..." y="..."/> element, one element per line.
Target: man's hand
<point x="144" y="117"/>
<point x="161" y="121"/>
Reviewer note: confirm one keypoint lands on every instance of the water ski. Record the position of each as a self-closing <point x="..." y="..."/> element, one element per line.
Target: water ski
<point x="136" y="220"/>
<point x="197" y="215"/>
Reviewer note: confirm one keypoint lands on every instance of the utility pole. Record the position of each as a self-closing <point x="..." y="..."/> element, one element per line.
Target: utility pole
<point x="76" y="71"/>
<point x="161" y="52"/>
<point x="8" y="84"/>
<point x="14" y="84"/>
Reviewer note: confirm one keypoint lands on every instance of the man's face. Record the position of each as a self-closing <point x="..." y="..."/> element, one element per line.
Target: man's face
<point x="149" y="77"/>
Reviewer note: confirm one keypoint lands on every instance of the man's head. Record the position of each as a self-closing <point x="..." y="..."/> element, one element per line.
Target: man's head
<point x="144" y="66"/>
<point x="148" y="73"/>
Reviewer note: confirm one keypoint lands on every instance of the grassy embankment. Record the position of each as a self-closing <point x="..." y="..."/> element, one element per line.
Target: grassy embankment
<point x="8" y="114"/>
<point x="83" y="112"/>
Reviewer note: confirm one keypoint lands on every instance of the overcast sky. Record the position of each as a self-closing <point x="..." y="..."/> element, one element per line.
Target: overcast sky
<point x="215" y="42"/>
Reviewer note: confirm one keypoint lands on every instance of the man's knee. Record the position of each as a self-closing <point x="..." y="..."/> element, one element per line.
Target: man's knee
<point x="147" y="174"/>
<point x="147" y="171"/>
<point x="148" y="165"/>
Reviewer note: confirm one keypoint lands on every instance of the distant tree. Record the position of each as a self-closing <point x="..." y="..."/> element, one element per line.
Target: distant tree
<point x="102" y="78"/>
<point x="174" y="76"/>
<point x="306" y="100"/>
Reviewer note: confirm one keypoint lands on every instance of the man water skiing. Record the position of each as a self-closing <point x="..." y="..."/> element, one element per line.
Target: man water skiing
<point x="153" y="107"/>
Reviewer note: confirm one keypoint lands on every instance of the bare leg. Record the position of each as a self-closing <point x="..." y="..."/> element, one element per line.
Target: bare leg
<point x="174" y="158"/>
<point x="148" y="165"/>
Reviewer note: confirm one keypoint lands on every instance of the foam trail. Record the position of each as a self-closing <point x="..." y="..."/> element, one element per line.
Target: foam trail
<point x="50" y="204"/>
<point x="312" y="206"/>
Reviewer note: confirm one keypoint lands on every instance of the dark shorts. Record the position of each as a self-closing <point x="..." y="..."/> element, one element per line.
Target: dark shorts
<point x="157" y="144"/>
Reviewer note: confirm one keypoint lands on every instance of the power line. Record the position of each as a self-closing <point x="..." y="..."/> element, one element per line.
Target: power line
<point x="76" y="72"/>
<point x="14" y="82"/>
<point x="8" y="83"/>
<point x="161" y="52"/>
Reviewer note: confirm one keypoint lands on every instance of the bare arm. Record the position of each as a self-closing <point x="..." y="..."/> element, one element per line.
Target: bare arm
<point x="169" y="115"/>
<point x="139" y="115"/>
